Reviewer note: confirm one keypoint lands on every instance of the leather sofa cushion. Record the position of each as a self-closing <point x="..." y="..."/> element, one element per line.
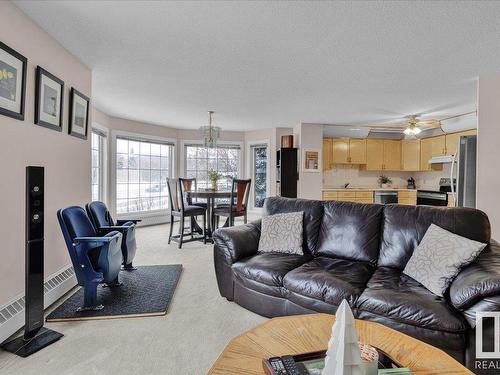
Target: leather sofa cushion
<point x="350" y="231"/>
<point x="393" y="295"/>
<point x="313" y="213"/>
<point x="479" y="280"/>
<point x="330" y="280"/>
<point x="404" y="226"/>
<point x="268" y="268"/>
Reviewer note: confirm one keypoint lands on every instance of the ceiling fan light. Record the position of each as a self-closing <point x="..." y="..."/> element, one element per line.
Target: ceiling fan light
<point x="408" y="131"/>
<point x="416" y="130"/>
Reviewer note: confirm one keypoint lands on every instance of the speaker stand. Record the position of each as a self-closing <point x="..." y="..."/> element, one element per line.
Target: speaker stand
<point x="25" y="348"/>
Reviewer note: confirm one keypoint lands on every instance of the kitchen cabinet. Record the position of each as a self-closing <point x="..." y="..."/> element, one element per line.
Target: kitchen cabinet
<point x="452" y="141"/>
<point x="389" y="154"/>
<point x="438" y="145"/>
<point x="348" y="195"/>
<point x="327" y="153"/>
<point x="345" y="151"/>
<point x="374" y="154"/>
<point x="340" y="147"/>
<point x="392" y="155"/>
<point x="410" y="154"/>
<point x="408" y="197"/>
<point x="383" y="154"/>
<point x="426" y="149"/>
<point x="357" y="151"/>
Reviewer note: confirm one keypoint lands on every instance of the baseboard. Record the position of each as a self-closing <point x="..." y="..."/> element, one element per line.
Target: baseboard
<point x="55" y="286"/>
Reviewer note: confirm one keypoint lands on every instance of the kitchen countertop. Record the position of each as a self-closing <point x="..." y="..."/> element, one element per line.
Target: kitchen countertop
<point x="365" y="189"/>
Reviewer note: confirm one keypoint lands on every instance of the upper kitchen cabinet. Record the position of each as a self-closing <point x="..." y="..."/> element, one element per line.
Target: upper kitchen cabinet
<point x="383" y="154"/>
<point x="438" y="145"/>
<point x="428" y="146"/>
<point x="392" y="155"/>
<point x="327" y="153"/>
<point x="340" y="147"/>
<point x="344" y="151"/>
<point x="452" y="141"/>
<point x="357" y="151"/>
<point x="374" y="154"/>
<point x="410" y="154"/>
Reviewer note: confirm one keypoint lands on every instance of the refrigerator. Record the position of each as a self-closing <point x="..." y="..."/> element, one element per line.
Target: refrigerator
<point x="463" y="171"/>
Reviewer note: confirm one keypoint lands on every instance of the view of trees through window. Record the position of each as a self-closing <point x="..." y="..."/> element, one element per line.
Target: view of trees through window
<point x="199" y="160"/>
<point x="260" y="174"/>
<point x="142" y="169"/>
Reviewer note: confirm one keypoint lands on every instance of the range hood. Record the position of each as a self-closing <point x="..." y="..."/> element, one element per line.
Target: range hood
<point x="441" y="159"/>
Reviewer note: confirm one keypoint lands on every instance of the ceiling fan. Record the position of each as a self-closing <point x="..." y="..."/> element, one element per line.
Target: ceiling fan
<point x="414" y="125"/>
<point x="410" y="126"/>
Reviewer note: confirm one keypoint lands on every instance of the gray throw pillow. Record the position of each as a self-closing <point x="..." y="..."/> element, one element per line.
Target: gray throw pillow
<point x="439" y="257"/>
<point x="282" y="233"/>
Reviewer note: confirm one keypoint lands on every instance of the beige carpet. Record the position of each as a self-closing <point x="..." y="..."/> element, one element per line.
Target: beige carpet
<point x="186" y="341"/>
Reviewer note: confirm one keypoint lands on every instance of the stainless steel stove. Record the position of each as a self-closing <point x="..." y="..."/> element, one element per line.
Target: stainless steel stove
<point x="436" y="197"/>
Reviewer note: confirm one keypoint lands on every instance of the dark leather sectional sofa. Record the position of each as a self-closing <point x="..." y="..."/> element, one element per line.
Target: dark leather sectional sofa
<point x="357" y="252"/>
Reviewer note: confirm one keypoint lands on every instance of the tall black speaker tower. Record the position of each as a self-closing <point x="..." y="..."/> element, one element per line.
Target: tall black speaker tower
<point x="35" y="336"/>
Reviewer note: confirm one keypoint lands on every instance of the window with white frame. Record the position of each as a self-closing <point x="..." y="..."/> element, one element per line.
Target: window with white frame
<point x="98" y="146"/>
<point x="142" y="169"/>
<point x="225" y="159"/>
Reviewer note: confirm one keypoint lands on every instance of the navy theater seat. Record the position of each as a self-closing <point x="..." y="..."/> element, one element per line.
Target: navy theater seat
<point x="103" y="222"/>
<point x="96" y="259"/>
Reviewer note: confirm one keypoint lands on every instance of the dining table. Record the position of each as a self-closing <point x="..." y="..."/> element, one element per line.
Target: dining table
<point x="210" y="196"/>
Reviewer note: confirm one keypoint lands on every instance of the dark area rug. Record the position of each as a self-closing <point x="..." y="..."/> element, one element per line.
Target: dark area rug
<point x="146" y="291"/>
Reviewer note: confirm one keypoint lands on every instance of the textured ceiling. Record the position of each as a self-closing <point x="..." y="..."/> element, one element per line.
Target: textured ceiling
<point x="266" y="64"/>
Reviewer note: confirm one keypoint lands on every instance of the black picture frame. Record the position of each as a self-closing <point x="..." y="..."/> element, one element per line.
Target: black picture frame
<point x="38" y="91"/>
<point x="7" y="112"/>
<point x="74" y="92"/>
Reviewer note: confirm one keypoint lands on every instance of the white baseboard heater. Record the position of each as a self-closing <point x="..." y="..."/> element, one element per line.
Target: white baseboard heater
<point x="55" y="286"/>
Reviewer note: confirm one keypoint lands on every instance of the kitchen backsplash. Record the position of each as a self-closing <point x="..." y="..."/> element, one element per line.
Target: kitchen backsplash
<point x="342" y="174"/>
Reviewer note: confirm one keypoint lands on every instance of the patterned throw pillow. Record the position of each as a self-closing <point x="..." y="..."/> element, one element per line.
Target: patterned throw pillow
<point x="439" y="257"/>
<point x="282" y="233"/>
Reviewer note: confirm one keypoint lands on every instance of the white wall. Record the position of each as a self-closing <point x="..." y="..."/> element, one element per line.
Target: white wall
<point x="488" y="150"/>
<point x="309" y="136"/>
<point x="66" y="158"/>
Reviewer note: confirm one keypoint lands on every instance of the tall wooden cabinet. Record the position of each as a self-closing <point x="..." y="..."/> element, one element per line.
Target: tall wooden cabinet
<point x="287" y="172"/>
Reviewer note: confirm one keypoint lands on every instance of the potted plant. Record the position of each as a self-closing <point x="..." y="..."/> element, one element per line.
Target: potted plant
<point x="214" y="177"/>
<point x="384" y="181"/>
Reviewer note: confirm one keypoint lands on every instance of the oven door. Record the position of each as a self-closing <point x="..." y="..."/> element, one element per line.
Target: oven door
<point x="432" y="199"/>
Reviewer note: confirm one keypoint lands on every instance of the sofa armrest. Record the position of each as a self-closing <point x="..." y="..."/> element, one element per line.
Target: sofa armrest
<point x="479" y="280"/>
<point x="235" y="243"/>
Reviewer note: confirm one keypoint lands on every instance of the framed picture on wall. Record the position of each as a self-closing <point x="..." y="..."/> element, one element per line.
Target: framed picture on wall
<point x="49" y="94"/>
<point x="12" y="82"/>
<point x="311" y="160"/>
<point x="78" y="114"/>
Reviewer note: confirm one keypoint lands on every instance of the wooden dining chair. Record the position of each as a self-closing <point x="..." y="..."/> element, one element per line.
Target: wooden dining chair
<point x="181" y="209"/>
<point x="187" y="186"/>
<point x="238" y="203"/>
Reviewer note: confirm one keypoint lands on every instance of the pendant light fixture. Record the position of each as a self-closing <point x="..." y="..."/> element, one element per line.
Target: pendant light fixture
<point x="210" y="133"/>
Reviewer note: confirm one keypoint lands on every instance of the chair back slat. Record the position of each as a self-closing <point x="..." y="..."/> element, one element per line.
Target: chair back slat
<point x="187" y="185"/>
<point x="239" y="193"/>
<point x="176" y="204"/>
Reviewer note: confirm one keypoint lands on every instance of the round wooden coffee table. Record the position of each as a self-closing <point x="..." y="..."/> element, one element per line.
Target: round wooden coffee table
<point x="309" y="333"/>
